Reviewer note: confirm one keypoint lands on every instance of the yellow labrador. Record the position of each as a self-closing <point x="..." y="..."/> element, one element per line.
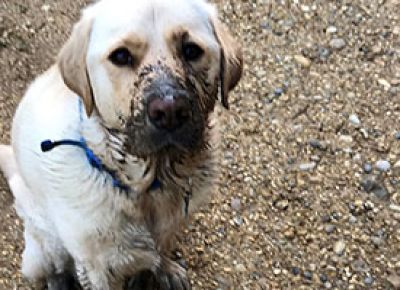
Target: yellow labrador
<point x="116" y="144"/>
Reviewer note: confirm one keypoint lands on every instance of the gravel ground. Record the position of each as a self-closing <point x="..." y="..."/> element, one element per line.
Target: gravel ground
<point x="310" y="190"/>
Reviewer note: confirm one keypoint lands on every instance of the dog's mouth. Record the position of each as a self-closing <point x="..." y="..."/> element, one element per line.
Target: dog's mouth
<point x="152" y="142"/>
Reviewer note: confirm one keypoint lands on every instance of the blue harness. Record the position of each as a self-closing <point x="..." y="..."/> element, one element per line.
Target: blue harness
<point x="93" y="160"/>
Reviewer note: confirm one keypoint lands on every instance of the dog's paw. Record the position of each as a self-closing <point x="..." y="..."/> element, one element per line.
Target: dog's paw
<point x="63" y="281"/>
<point x="145" y="280"/>
<point x="173" y="276"/>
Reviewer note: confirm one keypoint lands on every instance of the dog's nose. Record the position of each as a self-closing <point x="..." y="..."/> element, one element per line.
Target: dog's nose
<point x="169" y="112"/>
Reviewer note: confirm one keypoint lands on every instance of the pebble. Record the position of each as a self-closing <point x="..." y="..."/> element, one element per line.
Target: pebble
<point x="364" y="132"/>
<point x="383" y="165"/>
<point x="315" y="143"/>
<point x="331" y="29"/>
<point x="377" y="241"/>
<point x="323" y="278"/>
<point x="397" y="135"/>
<point x="296" y="271"/>
<point x="235" y="204"/>
<point x="369" y="185"/>
<point x="337" y="43"/>
<point x="352" y="219"/>
<point x="277" y="271"/>
<point x="339" y="247"/>
<point x="307" y="166"/>
<point x="238" y="220"/>
<point x="394" y="207"/>
<point x="282" y="204"/>
<point x="367" y="168"/>
<point x="330" y="228"/>
<point x="308" y="275"/>
<point x="240" y="268"/>
<point x="305" y="62"/>
<point x="353" y="118"/>
<point x="45" y="8"/>
<point x="323" y="53"/>
<point x="384" y="83"/>
<point x="278" y="92"/>
<point x="368" y="280"/>
<point x="346" y="138"/>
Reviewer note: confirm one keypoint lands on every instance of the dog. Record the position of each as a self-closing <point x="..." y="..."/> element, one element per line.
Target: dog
<point x="116" y="144"/>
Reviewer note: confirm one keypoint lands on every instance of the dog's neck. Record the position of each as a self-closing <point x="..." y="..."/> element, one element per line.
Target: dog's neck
<point x="140" y="173"/>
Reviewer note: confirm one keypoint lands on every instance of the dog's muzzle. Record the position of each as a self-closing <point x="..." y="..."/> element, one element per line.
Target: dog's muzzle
<point x="170" y="110"/>
<point x="168" y="106"/>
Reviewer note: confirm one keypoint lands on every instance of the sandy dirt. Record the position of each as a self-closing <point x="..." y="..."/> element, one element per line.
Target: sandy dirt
<point x="310" y="190"/>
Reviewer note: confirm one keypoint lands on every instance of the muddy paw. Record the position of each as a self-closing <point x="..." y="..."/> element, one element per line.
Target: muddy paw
<point x="173" y="277"/>
<point x="63" y="281"/>
<point x="145" y="280"/>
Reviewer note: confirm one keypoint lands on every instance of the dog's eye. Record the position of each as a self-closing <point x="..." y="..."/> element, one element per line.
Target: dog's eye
<point x="191" y="51"/>
<point x="121" y="57"/>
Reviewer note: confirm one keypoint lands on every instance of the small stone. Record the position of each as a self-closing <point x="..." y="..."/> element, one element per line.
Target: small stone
<point x="289" y="233"/>
<point x="337" y="43"/>
<point x="339" y="247"/>
<point x="312" y="267"/>
<point x="308" y="275"/>
<point x="377" y="241"/>
<point x="45" y="8"/>
<point x="394" y="207"/>
<point x="307" y="166"/>
<point x="323" y="278"/>
<point x="296" y="271"/>
<point x="240" y="268"/>
<point x="305" y="62"/>
<point x="357" y="157"/>
<point x="328" y="285"/>
<point x="326" y="218"/>
<point x="353" y="118"/>
<point x="352" y="219"/>
<point x="278" y="92"/>
<point x="383" y="165"/>
<point x="315" y="143"/>
<point x="315" y="158"/>
<point x="329" y="228"/>
<point x="331" y="29"/>
<point x="235" y="204"/>
<point x="397" y="135"/>
<point x="364" y="132"/>
<point x="305" y="8"/>
<point x="367" y="168"/>
<point x="369" y="205"/>
<point x="359" y="265"/>
<point x="384" y="83"/>
<point x="282" y="204"/>
<point x="277" y="271"/>
<point x="238" y="220"/>
<point x="368" y="280"/>
<point x="369" y="185"/>
<point x="345" y="138"/>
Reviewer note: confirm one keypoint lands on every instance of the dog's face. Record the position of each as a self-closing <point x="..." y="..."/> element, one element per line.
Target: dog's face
<point x="152" y="69"/>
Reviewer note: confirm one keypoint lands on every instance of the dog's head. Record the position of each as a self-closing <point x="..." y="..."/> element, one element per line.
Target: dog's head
<point x="152" y="69"/>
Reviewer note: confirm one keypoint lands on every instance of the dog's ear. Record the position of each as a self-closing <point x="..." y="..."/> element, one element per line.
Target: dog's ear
<point x="231" y="65"/>
<point x="72" y="63"/>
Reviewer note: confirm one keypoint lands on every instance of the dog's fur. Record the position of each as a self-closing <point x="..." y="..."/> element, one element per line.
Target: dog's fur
<point x="75" y="219"/>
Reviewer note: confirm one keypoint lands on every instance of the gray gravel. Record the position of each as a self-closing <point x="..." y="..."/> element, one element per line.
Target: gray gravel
<point x="303" y="80"/>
